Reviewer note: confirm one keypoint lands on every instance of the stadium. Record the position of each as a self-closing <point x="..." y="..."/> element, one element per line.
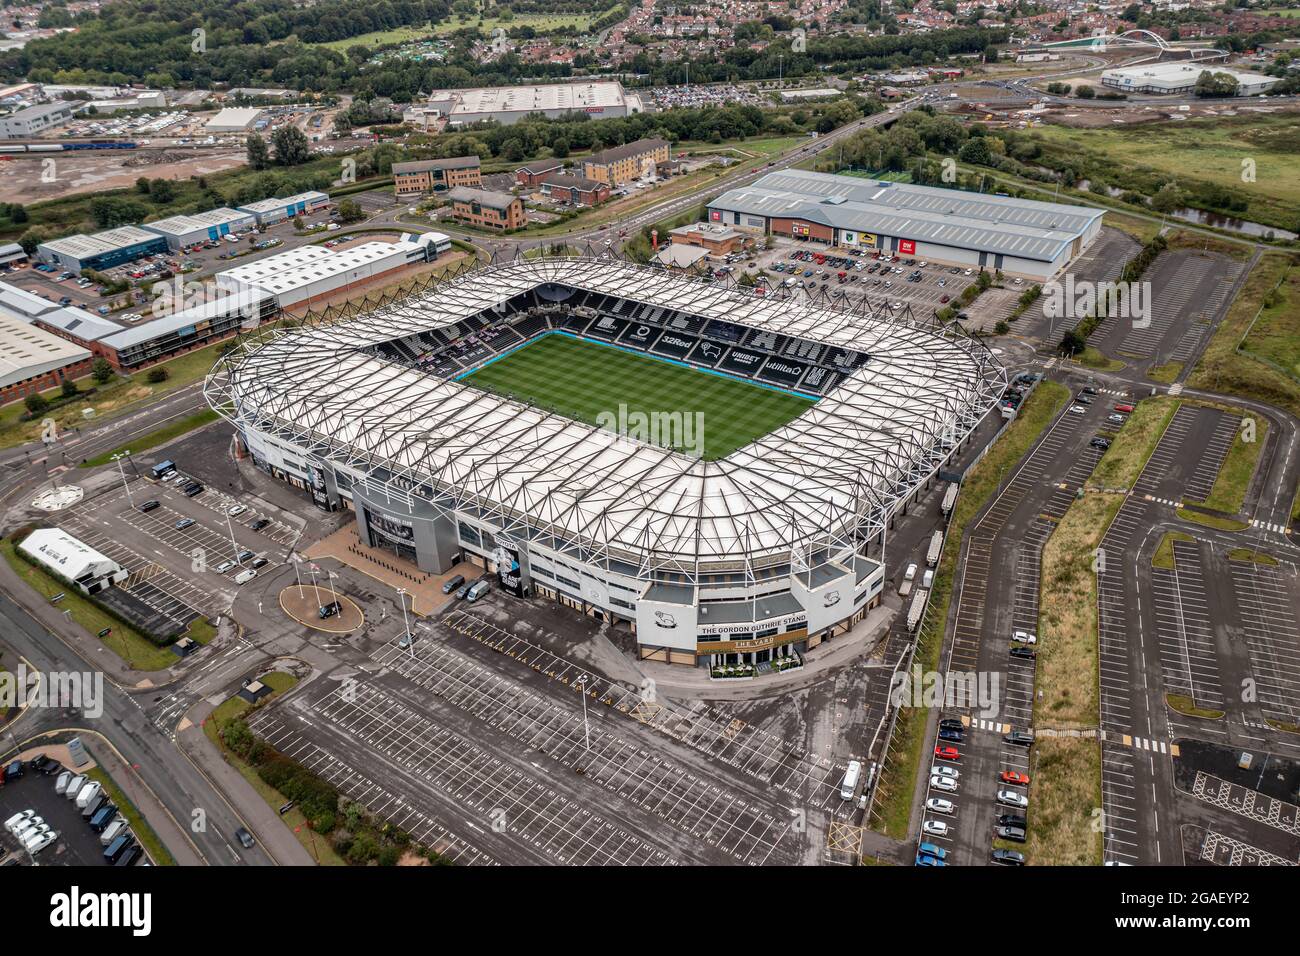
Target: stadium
<point x="711" y="468"/>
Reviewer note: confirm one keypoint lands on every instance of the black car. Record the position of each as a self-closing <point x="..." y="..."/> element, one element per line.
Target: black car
<point x="1010" y="820"/>
<point x="245" y="838"/>
<point x="259" y="563"/>
<point x="1102" y="443"/>
<point x="39" y="761"/>
<point x="1021" y="738"/>
<point x="244" y="556"/>
<point x="1026" y="653"/>
<point x="1089" y="390"/>
<point x="951" y="723"/>
<point x="260" y="523"/>
<point x="150" y="505"/>
<point x="1083" y="399"/>
<point x="951" y="735"/>
<point x="329" y="610"/>
<point x="1009" y="857"/>
<point x="192" y="489"/>
<point x="13" y="771"/>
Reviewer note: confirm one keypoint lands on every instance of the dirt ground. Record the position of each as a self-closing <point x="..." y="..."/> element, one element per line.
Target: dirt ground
<point x="99" y="171"/>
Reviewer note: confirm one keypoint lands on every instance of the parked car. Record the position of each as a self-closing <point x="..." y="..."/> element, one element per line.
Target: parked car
<point x="150" y="505"/>
<point x="1024" y="653"/>
<point x="1015" y="777"/>
<point x="1116" y="419"/>
<point x="946" y="753"/>
<point x="1023" y="637"/>
<point x="1021" y="738"/>
<point x="939" y="805"/>
<point x="1014" y="834"/>
<point x="184" y="523"/>
<point x="1011" y="798"/>
<point x="1008" y="857"/>
<point x="452" y="583"/>
<point x="260" y="523"/>
<point x="943" y="784"/>
<point x="935" y="828"/>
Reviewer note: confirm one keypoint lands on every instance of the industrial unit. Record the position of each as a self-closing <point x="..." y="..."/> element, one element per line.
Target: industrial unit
<point x="182" y="231"/>
<point x="34" y="120"/>
<point x="33" y="360"/>
<point x="509" y="104"/>
<point x="1021" y="237"/>
<point x="270" y="211"/>
<point x="299" y="275"/>
<point x="1176" y="77"/>
<point x="103" y="250"/>
<point x="233" y="120"/>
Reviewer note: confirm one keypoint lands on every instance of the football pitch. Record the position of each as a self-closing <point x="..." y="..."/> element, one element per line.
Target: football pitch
<point x="588" y="382"/>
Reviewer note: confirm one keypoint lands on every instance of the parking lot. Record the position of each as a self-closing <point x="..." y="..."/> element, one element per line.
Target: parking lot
<point x="75" y="843"/>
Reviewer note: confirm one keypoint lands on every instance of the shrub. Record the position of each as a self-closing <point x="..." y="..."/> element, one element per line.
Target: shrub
<point x="36" y="404"/>
<point x="156" y="375"/>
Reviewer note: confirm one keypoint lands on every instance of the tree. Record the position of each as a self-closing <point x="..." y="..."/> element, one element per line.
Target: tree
<point x="69" y="388"/>
<point x="975" y="151"/>
<point x="36" y="404"/>
<point x="101" y="371"/>
<point x="1072" y="343"/>
<point x="560" y="148"/>
<point x="1168" y="198"/>
<point x="259" y="157"/>
<point x="1216" y="84"/>
<point x="350" y="211"/>
<point x="1085" y="93"/>
<point x="162" y="191"/>
<point x="291" y="148"/>
<point x="156" y="375"/>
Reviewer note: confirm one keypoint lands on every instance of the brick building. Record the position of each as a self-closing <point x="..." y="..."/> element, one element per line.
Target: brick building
<point x="533" y="174"/>
<point x="488" y="209"/>
<point x="619" y="165"/>
<point x="574" y="189"/>
<point x="436" y="175"/>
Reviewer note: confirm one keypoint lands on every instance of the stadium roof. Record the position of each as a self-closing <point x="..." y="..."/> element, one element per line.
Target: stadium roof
<point x="1025" y="228"/>
<point x="847" y="461"/>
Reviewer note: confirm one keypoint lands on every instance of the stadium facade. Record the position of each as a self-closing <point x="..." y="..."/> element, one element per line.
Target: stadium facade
<point x="759" y="555"/>
<point x="1021" y="237"/>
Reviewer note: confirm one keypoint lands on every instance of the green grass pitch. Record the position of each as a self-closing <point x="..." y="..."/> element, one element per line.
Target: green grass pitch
<point x="581" y="380"/>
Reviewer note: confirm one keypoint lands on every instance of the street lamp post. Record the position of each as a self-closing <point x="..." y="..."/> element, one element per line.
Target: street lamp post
<point x="410" y="642"/>
<point x="234" y="548"/>
<point x="122" y="471"/>
<point x="586" y="727"/>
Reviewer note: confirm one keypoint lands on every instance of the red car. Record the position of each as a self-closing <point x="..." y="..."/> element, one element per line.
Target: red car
<point x="1016" y="777"/>
<point x="947" y="753"/>
<point x="943" y="298"/>
<point x="1124" y="408"/>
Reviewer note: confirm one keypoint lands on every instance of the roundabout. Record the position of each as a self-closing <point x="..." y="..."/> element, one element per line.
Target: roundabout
<point x="303" y="602"/>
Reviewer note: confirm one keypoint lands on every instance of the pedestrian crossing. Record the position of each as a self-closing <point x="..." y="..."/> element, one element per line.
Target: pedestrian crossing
<point x="1141" y="743"/>
<point x="1269" y="526"/>
<point x="1176" y="389"/>
<point x="979" y="723"/>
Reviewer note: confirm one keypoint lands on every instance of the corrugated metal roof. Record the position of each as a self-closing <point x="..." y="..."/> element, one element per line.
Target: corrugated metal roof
<point x="1024" y="228"/>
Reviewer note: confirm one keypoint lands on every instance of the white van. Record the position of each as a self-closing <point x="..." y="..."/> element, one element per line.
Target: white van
<point x="243" y="577"/>
<point x="19" y="820"/>
<point x="850" y="783"/>
<point x="74" y="786"/>
<point x="112" y="832"/>
<point x="61" y="782"/>
<point x="40" y="841"/>
<point x="89" y="792"/>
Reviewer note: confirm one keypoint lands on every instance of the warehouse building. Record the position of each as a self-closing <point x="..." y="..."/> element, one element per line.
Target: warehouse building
<point x="298" y="276"/>
<point x="1021" y="237"/>
<point x="103" y="250"/>
<point x="233" y="120"/>
<point x="20" y="304"/>
<point x="34" y="120"/>
<point x="509" y="104"/>
<point x="72" y="560"/>
<point x="270" y="211"/>
<point x="622" y="164"/>
<point x="1180" y="78"/>
<point x="33" y="360"/>
<point x="435" y="175"/>
<point x="182" y="231"/>
<point x="184" y="331"/>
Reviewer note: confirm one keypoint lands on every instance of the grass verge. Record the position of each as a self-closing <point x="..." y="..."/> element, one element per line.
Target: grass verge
<point x="1067" y="623"/>
<point x="1164" y="556"/>
<point x="1165" y="374"/>
<point x="1091" y="357"/>
<point x="155" y="438"/>
<point x="127" y="643"/>
<point x="144" y="833"/>
<point x="237" y="707"/>
<point x="1217" y="522"/>
<point x="907" y="748"/>
<point x="1187" y="707"/>
<point x="1253" y="556"/>
<point x="1238" y="468"/>
<point x="1133" y="445"/>
<point x="1067" y="799"/>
